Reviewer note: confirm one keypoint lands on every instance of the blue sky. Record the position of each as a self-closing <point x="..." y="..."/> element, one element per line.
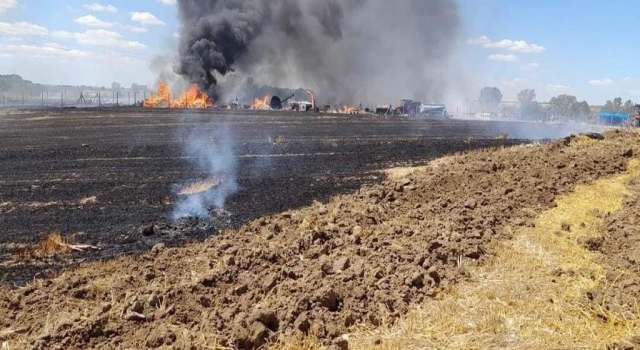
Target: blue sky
<point x="583" y="48"/>
<point x="589" y="47"/>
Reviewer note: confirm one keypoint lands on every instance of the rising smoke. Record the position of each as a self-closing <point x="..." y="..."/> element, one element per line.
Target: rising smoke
<point x="211" y="150"/>
<point x="346" y="50"/>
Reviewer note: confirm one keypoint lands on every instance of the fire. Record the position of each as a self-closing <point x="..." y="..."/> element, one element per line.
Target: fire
<point x="346" y="109"/>
<point x="192" y="98"/>
<point x="261" y="103"/>
<point x="162" y="99"/>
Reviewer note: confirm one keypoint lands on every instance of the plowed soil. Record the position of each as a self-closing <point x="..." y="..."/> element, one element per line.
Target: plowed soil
<point x="620" y="245"/>
<point x="360" y="258"/>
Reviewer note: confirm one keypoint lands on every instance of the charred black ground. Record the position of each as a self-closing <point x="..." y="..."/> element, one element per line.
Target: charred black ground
<point x="131" y="161"/>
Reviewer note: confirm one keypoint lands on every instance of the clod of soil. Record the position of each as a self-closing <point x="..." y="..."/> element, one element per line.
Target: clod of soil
<point x="361" y="258"/>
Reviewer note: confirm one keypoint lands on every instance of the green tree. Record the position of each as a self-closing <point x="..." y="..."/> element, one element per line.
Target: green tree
<point x="582" y="109"/>
<point x="627" y="108"/>
<point x="562" y="105"/>
<point x="617" y="104"/>
<point x="527" y="95"/>
<point x="608" y="106"/>
<point x="490" y="98"/>
<point x="568" y="106"/>
<point x="529" y="107"/>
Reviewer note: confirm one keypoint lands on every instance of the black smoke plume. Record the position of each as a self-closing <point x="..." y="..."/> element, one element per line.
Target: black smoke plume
<point x="346" y="50"/>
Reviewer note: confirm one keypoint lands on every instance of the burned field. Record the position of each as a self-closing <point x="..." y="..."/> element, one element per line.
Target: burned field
<point x="104" y="175"/>
<point x="347" y="225"/>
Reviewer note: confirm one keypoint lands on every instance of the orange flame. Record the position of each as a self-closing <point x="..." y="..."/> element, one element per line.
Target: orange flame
<point x="192" y="98"/>
<point x="346" y="109"/>
<point x="261" y="103"/>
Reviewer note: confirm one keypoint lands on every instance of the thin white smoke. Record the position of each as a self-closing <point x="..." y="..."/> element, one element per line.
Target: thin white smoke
<point x="211" y="150"/>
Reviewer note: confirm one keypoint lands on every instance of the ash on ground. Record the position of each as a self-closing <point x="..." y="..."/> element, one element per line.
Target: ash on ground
<point x="190" y="228"/>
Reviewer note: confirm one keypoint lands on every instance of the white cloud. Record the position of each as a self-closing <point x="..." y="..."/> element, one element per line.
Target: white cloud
<point x="515" y="82"/>
<point x="135" y="29"/>
<point x="169" y="2"/>
<point x="50" y="50"/>
<point x="601" y="82"/>
<point x="175" y="35"/>
<point x="530" y="66"/>
<point x="100" y="8"/>
<point x="146" y="18"/>
<point x="511" y="45"/>
<point x="558" y="88"/>
<point x="6" y="5"/>
<point x="100" y="37"/>
<point x="13" y="39"/>
<point x="21" y="29"/>
<point x="92" y="21"/>
<point x="502" y="58"/>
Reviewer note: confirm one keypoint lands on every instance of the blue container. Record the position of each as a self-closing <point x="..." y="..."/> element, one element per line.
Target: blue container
<point x="612" y="118"/>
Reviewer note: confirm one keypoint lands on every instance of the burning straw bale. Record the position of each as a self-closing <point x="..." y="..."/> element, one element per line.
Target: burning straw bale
<point x="192" y="98"/>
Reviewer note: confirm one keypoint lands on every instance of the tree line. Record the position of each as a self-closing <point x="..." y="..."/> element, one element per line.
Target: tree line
<point x="563" y="106"/>
<point x="13" y="83"/>
<point x="616" y="106"/>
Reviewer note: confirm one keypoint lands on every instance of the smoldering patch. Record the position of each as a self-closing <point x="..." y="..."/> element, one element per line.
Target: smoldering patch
<point x="211" y="150"/>
<point x="200" y="186"/>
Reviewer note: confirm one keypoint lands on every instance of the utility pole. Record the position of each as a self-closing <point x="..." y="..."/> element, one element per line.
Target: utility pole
<point x="61" y="100"/>
<point x="135" y="98"/>
<point x="129" y="94"/>
<point x="117" y="99"/>
<point x="23" y="98"/>
<point x="99" y="102"/>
